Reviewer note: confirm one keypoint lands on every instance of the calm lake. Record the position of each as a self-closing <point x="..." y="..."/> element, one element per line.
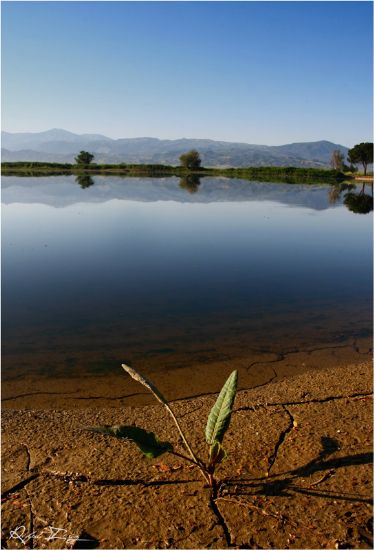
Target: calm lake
<point x="163" y="276"/>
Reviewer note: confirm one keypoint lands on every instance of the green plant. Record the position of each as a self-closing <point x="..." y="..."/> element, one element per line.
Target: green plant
<point x="84" y="157"/>
<point x="152" y="447"/>
<point x="190" y="160"/>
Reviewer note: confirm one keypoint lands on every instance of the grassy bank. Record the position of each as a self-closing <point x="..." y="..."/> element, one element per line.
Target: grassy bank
<point x="265" y="173"/>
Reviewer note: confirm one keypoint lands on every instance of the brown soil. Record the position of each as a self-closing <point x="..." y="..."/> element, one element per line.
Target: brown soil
<point x="179" y="375"/>
<point x="298" y="474"/>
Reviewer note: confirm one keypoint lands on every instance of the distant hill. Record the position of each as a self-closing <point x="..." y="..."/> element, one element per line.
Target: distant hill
<point x="58" y="145"/>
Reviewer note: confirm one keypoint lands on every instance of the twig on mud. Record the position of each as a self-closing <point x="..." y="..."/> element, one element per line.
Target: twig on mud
<point x="323" y="478"/>
<point x="276" y="515"/>
<point x="253" y="506"/>
<point x="362" y="398"/>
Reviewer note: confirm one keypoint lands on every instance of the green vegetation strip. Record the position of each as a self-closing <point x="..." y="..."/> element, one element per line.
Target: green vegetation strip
<point x="270" y="173"/>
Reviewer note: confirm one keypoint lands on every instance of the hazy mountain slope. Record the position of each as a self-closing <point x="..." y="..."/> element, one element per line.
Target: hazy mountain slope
<point x="32" y="156"/>
<point x="62" y="146"/>
<point x="33" y="141"/>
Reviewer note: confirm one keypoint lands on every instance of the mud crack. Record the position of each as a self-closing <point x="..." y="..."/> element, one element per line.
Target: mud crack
<point x="31" y="519"/>
<point x="282" y="437"/>
<point x="68" y="396"/>
<point x="220" y="518"/>
<point x="190" y="412"/>
<point x="305" y="402"/>
<point x="20" y="485"/>
<point x="282" y="355"/>
<point x="28" y="457"/>
<point x="267" y="381"/>
<point x="36" y="393"/>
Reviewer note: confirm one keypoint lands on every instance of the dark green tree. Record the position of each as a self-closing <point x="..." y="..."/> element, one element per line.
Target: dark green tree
<point x="84" y="158"/>
<point x="361" y="154"/>
<point x="190" y="160"/>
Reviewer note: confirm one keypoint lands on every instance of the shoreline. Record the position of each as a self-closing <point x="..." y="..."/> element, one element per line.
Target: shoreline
<point x="287" y="174"/>
<point x="298" y="473"/>
<point x="193" y="377"/>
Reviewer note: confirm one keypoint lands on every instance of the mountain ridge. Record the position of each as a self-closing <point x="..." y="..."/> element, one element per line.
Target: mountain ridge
<point x="59" y="145"/>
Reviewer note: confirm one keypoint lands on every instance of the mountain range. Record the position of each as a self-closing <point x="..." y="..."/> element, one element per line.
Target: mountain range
<point x="59" y="145"/>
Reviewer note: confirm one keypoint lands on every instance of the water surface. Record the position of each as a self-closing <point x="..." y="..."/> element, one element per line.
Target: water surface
<point x="163" y="275"/>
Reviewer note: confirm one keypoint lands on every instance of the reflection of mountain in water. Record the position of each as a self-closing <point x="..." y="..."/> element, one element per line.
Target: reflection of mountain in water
<point x="62" y="191"/>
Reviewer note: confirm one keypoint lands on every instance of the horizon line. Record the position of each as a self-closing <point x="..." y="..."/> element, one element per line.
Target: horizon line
<point x="169" y="139"/>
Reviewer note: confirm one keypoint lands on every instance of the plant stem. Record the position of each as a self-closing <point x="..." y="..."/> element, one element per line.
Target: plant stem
<point x="208" y="477"/>
<point x="195" y="460"/>
<point x="211" y="480"/>
<point x="152" y="388"/>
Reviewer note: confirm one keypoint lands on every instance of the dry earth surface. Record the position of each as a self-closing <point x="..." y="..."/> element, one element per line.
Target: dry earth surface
<point x="298" y="474"/>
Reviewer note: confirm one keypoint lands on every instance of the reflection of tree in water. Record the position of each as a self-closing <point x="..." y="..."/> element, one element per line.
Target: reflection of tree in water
<point x="357" y="202"/>
<point x="84" y="180"/>
<point x="337" y="190"/>
<point x="190" y="183"/>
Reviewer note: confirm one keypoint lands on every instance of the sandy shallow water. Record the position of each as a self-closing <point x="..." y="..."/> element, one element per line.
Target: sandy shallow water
<point x="178" y="375"/>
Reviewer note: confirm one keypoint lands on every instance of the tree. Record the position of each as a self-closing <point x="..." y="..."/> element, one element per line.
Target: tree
<point x="337" y="160"/>
<point x="190" y="160"/>
<point x="361" y="154"/>
<point x="84" y="158"/>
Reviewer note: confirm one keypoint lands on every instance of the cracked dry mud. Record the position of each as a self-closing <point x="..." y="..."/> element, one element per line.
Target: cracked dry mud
<point x="298" y="474"/>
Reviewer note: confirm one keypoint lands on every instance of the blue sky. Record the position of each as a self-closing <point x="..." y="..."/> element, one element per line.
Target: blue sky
<point x="257" y="72"/>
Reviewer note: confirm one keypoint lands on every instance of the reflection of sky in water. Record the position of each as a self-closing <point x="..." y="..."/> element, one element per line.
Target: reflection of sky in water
<point x="92" y="262"/>
<point x="61" y="191"/>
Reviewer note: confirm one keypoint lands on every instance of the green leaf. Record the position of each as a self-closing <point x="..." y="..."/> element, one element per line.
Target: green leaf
<point x="216" y="453"/>
<point x="147" y="442"/>
<point x="219" y="417"/>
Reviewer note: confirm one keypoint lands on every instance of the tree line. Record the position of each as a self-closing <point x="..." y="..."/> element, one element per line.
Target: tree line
<point x="190" y="160"/>
<point x="362" y="153"/>
<point x="190" y="163"/>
